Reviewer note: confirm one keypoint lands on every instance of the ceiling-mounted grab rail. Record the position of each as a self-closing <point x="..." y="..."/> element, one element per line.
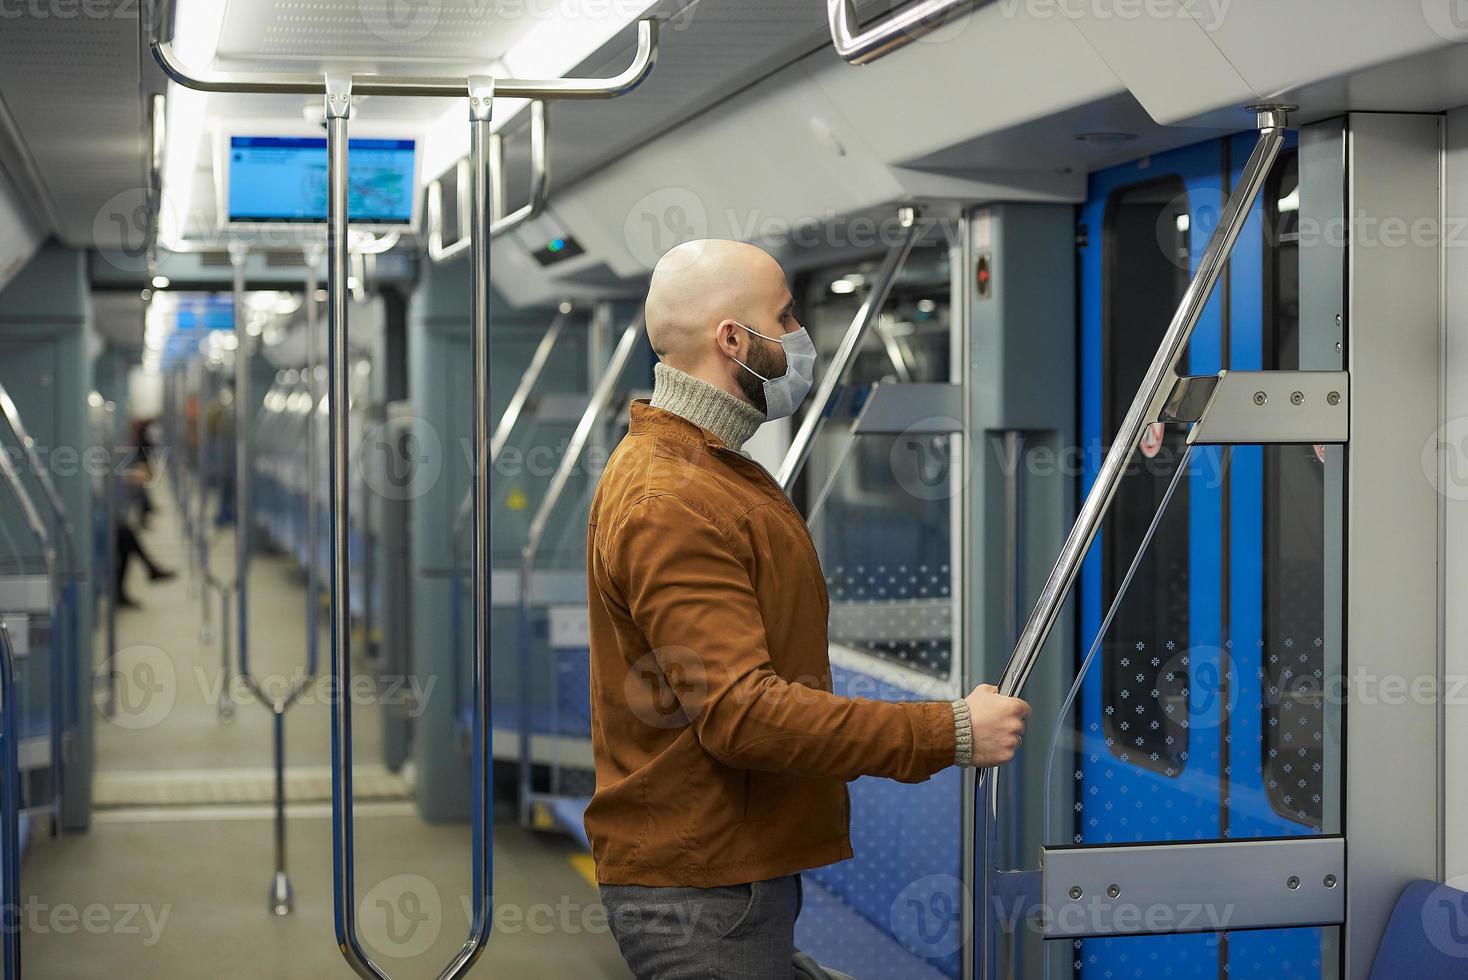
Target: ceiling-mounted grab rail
<point x="337" y="90"/>
<point x="502" y="223"/>
<point x="851" y="342"/>
<point x="897" y="31"/>
<point x="1146" y="406"/>
<point x="437" y="250"/>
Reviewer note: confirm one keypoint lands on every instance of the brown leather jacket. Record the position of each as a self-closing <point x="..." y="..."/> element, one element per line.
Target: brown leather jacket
<point x="721" y="755"/>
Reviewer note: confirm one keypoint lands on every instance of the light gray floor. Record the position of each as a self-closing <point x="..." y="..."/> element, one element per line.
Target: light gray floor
<point x="179" y="891"/>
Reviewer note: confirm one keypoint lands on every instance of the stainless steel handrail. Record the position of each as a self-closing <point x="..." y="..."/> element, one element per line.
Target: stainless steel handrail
<point x="506" y="426"/>
<point x="42" y="534"/>
<point x="338" y="90"/>
<point x="65" y="622"/>
<point x="600" y="398"/>
<point x="897" y="31"/>
<point x="1156" y="385"/>
<point x="437" y="250"/>
<point x="9" y="809"/>
<point x="539" y="175"/>
<point x="110" y="508"/>
<point x="815" y="416"/>
<point x="301" y="83"/>
<point x="281" y="898"/>
<point x="503" y="223"/>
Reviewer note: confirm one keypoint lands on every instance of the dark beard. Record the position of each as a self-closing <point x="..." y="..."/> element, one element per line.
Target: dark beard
<point x="763" y="361"/>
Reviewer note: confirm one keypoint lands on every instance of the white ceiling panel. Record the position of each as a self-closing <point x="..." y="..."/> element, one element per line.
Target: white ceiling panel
<point x="72" y="87"/>
<point x="364" y="35"/>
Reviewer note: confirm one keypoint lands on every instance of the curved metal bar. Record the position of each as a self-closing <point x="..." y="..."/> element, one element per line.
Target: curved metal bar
<point x="9" y="809"/>
<point x="38" y="529"/>
<point x="43" y="477"/>
<point x="815" y="416"/>
<point x="1156" y="385"/>
<point x="338" y="107"/>
<point x="600" y="398"/>
<point x="884" y="37"/>
<point x="263" y="83"/>
<point x="511" y="416"/>
<point x="503" y="223"/>
<point x="539" y="174"/>
<point x="437" y="250"/>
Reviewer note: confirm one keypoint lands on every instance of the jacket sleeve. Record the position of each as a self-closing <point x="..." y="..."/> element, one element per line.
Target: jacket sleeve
<point x="693" y="602"/>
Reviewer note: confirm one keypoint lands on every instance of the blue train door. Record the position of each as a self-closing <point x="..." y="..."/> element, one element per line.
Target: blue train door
<point x="1200" y="716"/>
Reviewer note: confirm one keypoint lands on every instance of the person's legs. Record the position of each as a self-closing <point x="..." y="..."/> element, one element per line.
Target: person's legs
<point x="741" y="932"/>
<point x="127" y="547"/>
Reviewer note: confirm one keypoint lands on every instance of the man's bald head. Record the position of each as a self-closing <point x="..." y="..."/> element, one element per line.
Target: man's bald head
<point x="699" y="284"/>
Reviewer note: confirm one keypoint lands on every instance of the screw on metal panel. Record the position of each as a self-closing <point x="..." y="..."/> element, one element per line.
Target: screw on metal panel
<point x="1297" y="398"/>
<point x="1334" y="398"/>
<point x="1260" y="398"/>
<point x="1075" y="892"/>
<point x="1337" y="319"/>
<point x="1337" y="346"/>
<point x="1293" y="883"/>
<point x="1112" y="891"/>
<point x="1330" y="881"/>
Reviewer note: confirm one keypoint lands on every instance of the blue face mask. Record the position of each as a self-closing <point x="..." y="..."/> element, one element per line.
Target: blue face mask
<point x="784" y="394"/>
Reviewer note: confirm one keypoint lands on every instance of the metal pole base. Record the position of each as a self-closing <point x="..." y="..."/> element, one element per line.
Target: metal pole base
<point x="282" y="900"/>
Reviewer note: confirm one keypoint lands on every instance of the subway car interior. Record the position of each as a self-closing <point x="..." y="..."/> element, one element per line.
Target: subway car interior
<point x="320" y="319"/>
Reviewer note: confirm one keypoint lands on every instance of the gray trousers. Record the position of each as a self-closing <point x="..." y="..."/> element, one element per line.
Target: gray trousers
<point x="741" y="932"/>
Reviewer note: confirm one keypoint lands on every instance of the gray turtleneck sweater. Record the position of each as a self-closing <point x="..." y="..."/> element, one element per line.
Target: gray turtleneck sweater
<point x="733" y="420"/>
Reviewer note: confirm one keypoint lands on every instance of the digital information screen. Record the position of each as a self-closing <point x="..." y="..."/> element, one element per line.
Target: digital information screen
<point x="283" y="179"/>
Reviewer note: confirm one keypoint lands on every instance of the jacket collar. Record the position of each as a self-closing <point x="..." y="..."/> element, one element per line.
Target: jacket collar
<point x="666" y="425"/>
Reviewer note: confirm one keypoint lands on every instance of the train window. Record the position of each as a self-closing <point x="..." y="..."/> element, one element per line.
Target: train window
<point x="1294" y="543"/>
<point x="890" y="585"/>
<point x="1145" y="663"/>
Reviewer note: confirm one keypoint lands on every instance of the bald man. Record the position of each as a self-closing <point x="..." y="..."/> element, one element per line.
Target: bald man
<point x="722" y="756"/>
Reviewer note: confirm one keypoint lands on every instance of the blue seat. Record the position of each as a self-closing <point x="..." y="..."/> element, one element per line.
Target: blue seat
<point x="1427" y="935"/>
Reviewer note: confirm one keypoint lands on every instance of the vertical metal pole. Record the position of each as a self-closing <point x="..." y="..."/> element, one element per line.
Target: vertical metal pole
<point x="243" y="422"/>
<point x="226" y="700"/>
<point x="313" y="473"/>
<point x="1002" y="946"/>
<point x="10" y="811"/>
<point x="344" y="885"/>
<point x="110" y="508"/>
<point x="201" y="503"/>
<point x="280" y="886"/>
<point x="481" y="105"/>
